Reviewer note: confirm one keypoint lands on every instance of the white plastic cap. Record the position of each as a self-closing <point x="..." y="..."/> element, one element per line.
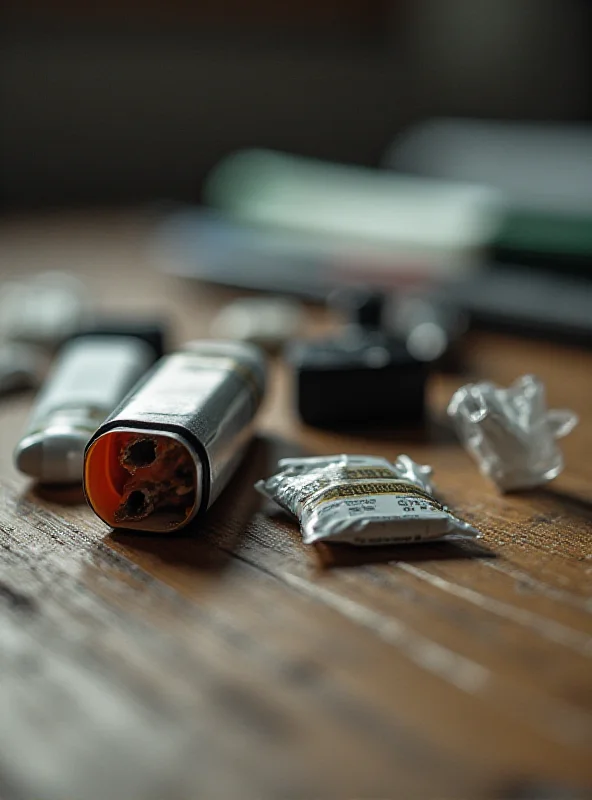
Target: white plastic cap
<point x="55" y="455"/>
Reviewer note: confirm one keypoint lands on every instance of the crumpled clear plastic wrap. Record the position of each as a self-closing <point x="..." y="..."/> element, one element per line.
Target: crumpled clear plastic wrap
<point x="510" y="432"/>
<point x="363" y="500"/>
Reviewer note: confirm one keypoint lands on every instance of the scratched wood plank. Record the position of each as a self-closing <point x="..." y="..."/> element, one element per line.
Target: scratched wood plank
<point x="236" y="662"/>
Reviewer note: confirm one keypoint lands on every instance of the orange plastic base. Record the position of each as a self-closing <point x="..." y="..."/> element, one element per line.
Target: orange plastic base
<point x="105" y="479"/>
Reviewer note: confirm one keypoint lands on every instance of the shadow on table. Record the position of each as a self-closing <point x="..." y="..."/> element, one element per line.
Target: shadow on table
<point x="209" y="542"/>
<point x="332" y="556"/>
<point x="69" y="495"/>
<point x="436" y="431"/>
<point x="568" y="502"/>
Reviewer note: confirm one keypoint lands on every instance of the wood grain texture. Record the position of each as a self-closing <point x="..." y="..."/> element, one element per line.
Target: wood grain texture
<point x="237" y="663"/>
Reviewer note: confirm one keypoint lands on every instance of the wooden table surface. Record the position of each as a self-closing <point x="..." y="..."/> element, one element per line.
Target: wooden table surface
<point x="238" y="663"/>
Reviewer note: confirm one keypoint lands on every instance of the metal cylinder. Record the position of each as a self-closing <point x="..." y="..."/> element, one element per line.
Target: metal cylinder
<point x="92" y="375"/>
<point x="167" y="452"/>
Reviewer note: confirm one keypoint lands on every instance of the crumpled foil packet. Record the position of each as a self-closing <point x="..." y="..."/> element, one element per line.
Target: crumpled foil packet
<point x="510" y="432"/>
<point x="362" y="500"/>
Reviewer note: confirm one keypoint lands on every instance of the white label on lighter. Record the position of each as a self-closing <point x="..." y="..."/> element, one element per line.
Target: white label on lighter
<point x="179" y="387"/>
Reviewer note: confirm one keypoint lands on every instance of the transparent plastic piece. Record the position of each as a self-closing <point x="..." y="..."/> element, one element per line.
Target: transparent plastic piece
<point x="510" y="432"/>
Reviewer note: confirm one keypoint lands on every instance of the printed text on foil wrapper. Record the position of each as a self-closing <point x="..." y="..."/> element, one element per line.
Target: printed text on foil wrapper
<point x="362" y="500"/>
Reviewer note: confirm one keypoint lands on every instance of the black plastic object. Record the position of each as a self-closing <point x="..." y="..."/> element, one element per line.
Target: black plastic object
<point x="153" y="332"/>
<point x="360" y="306"/>
<point x="364" y="379"/>
<point x="521" y="301"/>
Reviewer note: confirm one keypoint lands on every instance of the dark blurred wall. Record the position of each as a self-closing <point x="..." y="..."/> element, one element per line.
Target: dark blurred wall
<point x="124" y="107"/>
<point x="128" y="115"/>
<point x="523" y="59"/>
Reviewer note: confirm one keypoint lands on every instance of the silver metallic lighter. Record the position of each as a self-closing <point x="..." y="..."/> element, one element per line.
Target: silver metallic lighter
<point x="91" y="376"/>
<point x="170" y="448"/>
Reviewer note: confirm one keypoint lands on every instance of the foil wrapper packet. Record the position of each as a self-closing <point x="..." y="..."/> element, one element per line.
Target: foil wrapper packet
<point x="362" y="500"/>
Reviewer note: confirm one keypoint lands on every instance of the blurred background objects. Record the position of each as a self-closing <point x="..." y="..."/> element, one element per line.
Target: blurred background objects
<point x="435" y="151"/>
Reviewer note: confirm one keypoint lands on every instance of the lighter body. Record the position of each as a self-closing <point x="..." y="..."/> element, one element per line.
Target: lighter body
<point x="91" y="376"/>
<point x="167" y="452"/>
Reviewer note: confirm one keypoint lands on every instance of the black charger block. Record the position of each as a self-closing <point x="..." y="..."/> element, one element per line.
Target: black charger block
<point x="364" y="379"/>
